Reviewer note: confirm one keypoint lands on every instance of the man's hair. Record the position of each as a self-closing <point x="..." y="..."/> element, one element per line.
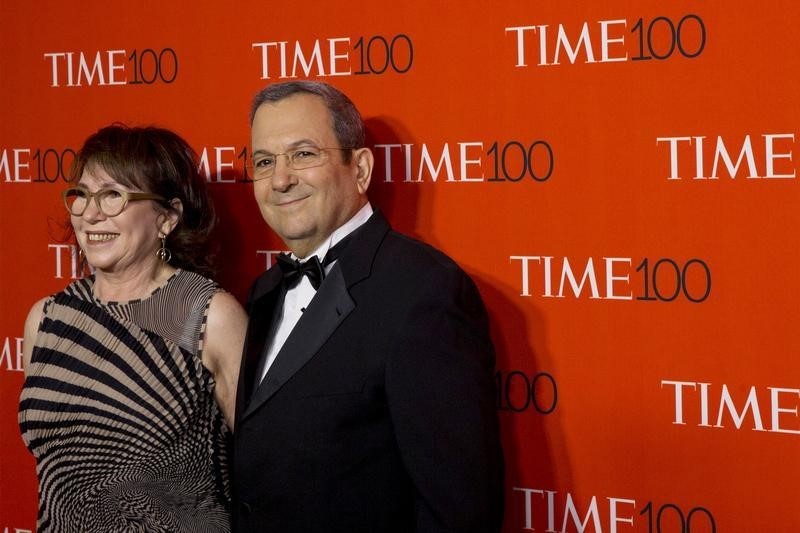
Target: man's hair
<point x="158" y="161"/>
<point x="348" y="125"/>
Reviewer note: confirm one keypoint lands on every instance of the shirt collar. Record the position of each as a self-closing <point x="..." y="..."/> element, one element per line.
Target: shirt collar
<point x="341" y="232"/>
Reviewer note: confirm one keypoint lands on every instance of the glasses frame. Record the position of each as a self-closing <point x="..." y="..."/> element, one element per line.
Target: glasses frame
<point x="127" y="196"/>
<point x="323" y="150"/>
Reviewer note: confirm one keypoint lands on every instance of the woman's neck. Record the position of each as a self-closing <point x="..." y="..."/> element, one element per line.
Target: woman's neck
<point x="130" y="285"/>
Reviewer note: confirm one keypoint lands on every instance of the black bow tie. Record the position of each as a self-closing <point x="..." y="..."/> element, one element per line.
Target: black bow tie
<point x="293" y="270"/>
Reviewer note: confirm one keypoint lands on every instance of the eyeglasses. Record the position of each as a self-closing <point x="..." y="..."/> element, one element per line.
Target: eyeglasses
<point x="109" y="201"/>
<point x="298" y="159"/>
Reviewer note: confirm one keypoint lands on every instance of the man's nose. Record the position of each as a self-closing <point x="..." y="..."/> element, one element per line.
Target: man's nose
<point x="283" y="178"/>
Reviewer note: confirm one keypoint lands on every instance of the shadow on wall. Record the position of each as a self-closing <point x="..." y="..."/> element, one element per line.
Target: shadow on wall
<point x="398" y="201"/>
<point x="241" y="237"/>
<point x="524" y="384"/>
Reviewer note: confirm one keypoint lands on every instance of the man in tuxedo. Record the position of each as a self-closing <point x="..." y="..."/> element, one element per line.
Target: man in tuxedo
<point x="366" y="397"/>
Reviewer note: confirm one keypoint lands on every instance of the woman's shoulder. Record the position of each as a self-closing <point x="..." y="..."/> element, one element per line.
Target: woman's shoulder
<point x="32" y="323"/>
<point x="188" y="291"/>
<point x="36" y="312"/>
<point x="80" y="288"/>
<point x="187" y="279"/>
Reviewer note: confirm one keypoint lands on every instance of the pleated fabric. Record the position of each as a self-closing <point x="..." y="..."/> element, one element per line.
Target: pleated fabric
<point x="118" y="411"/>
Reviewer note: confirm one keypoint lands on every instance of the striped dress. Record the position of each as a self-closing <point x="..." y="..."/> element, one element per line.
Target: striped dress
<point x="119" y="413"/>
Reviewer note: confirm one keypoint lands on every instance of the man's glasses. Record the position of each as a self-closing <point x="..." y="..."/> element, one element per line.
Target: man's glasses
<point x="298" y="159"/>
<point x="109" y="201"/>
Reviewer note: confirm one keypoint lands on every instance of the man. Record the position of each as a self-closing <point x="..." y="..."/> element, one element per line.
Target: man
<point x="366" y="403"/>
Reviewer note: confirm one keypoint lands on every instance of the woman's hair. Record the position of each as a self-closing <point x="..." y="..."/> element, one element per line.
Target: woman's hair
<point x="157" y="161"/>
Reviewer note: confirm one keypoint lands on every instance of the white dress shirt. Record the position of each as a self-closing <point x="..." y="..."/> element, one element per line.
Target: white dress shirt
<point x="300" y="296"/>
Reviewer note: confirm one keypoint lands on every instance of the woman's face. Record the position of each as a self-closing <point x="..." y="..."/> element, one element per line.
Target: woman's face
<point x="123" y="243"/>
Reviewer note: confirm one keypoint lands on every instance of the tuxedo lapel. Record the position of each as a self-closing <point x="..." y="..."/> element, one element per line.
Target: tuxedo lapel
<point x="329" y="307"/>
<point x="267" y="293"/>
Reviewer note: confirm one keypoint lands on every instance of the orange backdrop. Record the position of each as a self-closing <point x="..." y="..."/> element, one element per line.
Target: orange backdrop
<point x="620" y="179"/>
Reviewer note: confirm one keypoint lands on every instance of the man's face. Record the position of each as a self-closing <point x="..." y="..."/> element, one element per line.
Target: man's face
<point x="304" y="206"/>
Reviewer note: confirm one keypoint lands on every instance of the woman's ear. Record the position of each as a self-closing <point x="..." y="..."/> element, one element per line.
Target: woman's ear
<point x="170" y="217"/>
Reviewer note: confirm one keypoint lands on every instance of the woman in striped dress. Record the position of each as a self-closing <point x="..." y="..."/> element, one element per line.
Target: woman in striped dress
<point x="130" y="373"/>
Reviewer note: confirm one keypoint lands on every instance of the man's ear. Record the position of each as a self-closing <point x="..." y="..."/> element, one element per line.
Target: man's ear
<point x="364" y="161"/>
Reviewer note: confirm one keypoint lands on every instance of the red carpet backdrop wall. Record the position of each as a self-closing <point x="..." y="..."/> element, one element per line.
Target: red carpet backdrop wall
<point x="619" y="178"/>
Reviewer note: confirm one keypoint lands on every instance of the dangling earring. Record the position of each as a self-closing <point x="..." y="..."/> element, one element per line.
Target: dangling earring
<point x="163" y="253"/>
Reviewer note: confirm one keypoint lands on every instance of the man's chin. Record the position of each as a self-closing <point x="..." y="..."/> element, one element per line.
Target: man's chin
<point x="300" y="243"/>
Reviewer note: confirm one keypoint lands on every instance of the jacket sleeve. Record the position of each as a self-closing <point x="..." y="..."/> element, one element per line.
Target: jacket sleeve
<point x="440" y="389"/>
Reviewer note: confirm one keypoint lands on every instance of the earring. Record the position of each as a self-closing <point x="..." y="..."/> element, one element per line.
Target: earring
<point x="163" y="253"/>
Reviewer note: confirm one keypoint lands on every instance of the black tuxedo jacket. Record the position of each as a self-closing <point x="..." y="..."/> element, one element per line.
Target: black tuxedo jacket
<point x="378" y="414"/>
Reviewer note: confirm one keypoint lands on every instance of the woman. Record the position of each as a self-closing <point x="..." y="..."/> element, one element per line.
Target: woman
<point x="131" y="372"/>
